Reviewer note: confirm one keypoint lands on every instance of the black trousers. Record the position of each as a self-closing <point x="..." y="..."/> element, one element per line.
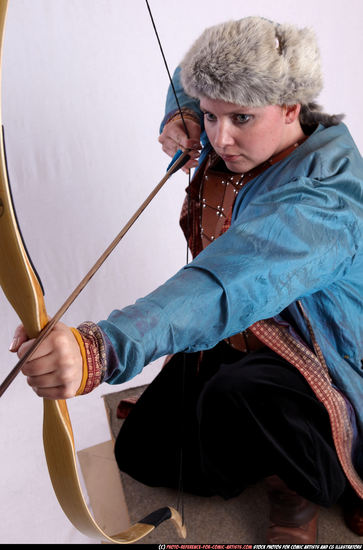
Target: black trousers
<point x="238" y="418"/>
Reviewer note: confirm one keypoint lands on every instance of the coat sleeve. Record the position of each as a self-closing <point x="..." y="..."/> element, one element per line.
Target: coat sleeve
<point x="185" y="100"/>
<point x="285" y="244"/>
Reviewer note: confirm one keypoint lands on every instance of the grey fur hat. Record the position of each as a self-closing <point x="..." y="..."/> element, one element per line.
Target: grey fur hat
<point x="254" y="62"/>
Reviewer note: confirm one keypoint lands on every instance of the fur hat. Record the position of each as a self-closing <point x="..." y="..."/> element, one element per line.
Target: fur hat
<point x="254" y="62"/>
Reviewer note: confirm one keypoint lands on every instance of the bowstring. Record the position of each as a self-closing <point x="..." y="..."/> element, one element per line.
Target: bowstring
<point x="167" y="68"/>
<point x="180" y="498"/>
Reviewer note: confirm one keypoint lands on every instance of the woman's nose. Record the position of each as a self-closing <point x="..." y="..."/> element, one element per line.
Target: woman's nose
<point x="223" y="136"/>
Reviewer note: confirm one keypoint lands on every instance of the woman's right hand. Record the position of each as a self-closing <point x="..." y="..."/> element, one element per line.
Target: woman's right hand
<point x="173" y="138"/>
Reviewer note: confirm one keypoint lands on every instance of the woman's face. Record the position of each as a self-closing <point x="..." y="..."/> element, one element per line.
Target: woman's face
<point x="244" y="137"/>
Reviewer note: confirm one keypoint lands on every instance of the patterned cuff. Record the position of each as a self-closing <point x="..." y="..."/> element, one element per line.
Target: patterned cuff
<point x="188" y="114"/>
<point x="95" y="357"/>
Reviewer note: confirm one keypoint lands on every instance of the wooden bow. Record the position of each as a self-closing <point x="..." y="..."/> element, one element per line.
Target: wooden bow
<point x="23" y="290"/>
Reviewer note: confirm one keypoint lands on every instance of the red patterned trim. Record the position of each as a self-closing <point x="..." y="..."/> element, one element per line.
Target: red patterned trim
<point x="315" y="372"/>
<point x="95" y="354"/>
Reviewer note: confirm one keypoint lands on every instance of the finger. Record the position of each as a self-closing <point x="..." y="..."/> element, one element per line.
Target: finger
<point x="187" y="170"/>
<point x="190" y="140"/>
<point x="48" y="376"/>
<point x="58" y="384"/>
<point x="169" y="147"/>
<point x="56" y="341"/>
<point x="176" y="135"/>
<point x="55" y="371"/>
<point x="44" y="381"/>
<point x="61" y="392"/>
<point x="189" y="166"/>
<point x="19" y="338"/>
<point x="43" y="349"/>
<point x="38" y="366"/>
<point x="193" y="144"/>
<point x="181" y="140"/>
<point x="59" y="350"/>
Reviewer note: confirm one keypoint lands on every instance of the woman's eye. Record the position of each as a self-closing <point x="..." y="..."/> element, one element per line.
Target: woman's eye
<point x="242" y="119"/>
<point x="209" y="117"/>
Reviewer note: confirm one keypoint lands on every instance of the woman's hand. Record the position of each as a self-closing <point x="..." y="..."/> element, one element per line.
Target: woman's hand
<point x="55" y="370"/>
<point x="174" y="137"/>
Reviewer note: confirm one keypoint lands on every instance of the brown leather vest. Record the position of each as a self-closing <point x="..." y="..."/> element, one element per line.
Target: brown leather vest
<point x="213" y="194"/>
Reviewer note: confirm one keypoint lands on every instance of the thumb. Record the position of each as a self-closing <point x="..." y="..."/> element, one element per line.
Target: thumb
<point x="18" y="339"/>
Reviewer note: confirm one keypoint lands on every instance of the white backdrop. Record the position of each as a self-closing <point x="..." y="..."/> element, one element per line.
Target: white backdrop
<point x="83" y="91"/>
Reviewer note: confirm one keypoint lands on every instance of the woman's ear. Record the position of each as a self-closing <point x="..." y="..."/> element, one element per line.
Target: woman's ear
<point x="292" y="113"/>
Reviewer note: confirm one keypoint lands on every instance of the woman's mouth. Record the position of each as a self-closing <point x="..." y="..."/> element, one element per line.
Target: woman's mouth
<point x="230" y="158"/>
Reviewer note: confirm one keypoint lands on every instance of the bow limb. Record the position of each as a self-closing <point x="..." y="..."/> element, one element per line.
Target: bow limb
<point x="21" y="274"/>
<point x="23" y="290"/>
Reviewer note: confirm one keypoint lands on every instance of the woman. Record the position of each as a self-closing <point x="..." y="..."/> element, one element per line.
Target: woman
<point x="269" y="312"/>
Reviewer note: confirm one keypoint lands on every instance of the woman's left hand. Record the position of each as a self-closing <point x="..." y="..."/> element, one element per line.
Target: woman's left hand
<point x="55" y="369"/>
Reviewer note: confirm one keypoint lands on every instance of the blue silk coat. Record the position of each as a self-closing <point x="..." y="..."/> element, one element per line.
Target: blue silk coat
<point x="296" y="234"/>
